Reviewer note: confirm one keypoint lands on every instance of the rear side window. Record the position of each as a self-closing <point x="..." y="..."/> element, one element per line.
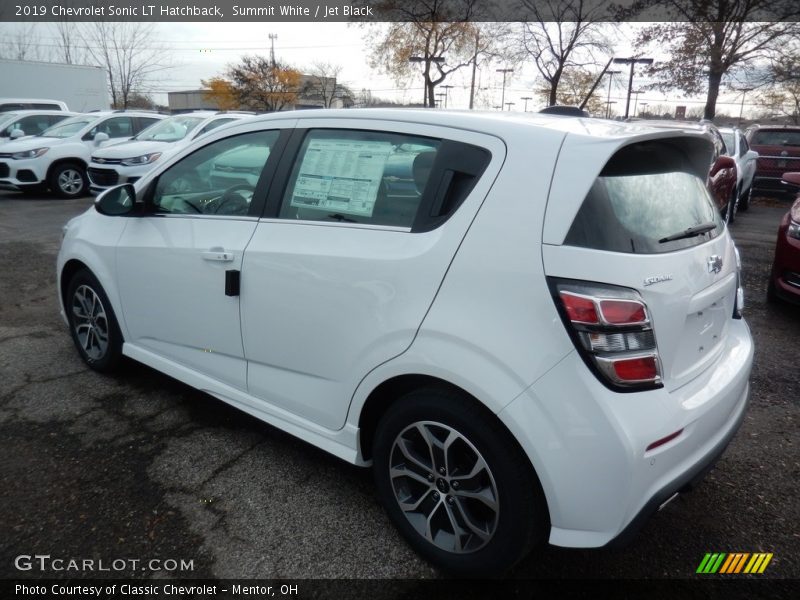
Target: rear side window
<point x="647" y="192"/>
<point x="776" y="138"/>
<point x="359" y="177"/>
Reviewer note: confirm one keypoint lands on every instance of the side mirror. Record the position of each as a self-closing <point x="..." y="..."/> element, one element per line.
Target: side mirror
<point x="116" y="202"/>
<point x="752" y="154"/>
<point x="723" y="162"/>
<point x="100" y="137"/>
<point x="16" y="133"/>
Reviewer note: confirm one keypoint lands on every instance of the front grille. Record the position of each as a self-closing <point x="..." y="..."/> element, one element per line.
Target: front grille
<point x="106" y="161"/>
<point x="103" y="177"/>
<point x="4" y="170"/>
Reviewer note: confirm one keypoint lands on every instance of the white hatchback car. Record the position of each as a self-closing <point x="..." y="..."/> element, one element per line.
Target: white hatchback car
<point x="529" y="326"/>
<point x="745" y="158"/>
<point x="57" y="158"/>
<point x="128" y="161"/>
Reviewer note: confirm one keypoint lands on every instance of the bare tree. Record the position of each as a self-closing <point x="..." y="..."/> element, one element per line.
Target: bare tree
<point x="131" y="54"/>
<point x="560" y="35"/>
<point x="433" y="34"/>
<point x="70" y="46"/>
<point x="323" y="83"/>
<point x="258" y="83"/>
<point x="21" y="41"/>
<point x="711" y="37"/>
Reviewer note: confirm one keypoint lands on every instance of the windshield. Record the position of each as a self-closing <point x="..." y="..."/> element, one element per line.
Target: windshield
<point x="170" y="130"/>
<point x="69" y="127"/>
<point x="6" y="118"/>
<point x="783" y="137"/>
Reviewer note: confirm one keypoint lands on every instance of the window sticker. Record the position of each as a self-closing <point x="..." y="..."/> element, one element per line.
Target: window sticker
<point x="341" y="176"/>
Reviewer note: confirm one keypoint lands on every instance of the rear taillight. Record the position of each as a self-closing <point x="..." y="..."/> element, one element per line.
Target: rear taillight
<point x="612" y="330"/>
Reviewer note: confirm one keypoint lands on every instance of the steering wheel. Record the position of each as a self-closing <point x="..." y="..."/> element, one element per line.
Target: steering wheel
<point x="233" y="202"/>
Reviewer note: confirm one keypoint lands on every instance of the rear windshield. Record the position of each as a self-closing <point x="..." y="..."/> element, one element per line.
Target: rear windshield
<point x="646" y="193"/>
<point x="776" y="138"/>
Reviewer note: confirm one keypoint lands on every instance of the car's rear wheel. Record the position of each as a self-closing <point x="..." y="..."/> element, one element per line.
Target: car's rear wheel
<point x="733" y="205"/>
<point x="68" y="180"/>
<point x="744" y="201"/>
<point x="92" y="322"/>
<point x="456" y="485"/>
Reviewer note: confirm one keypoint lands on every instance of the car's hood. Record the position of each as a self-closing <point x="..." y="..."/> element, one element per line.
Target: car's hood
<point x="32" y="142"/>
<point x="130" y="149"/>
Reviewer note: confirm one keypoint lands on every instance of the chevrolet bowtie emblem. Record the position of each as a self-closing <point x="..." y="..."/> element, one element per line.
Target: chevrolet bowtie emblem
<point x="715" y="264"/>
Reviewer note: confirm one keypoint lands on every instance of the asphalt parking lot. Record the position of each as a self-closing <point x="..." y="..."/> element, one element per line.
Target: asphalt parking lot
<point x="139" y="466"/>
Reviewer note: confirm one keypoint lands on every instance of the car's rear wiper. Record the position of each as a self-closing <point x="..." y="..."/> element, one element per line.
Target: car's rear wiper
<point x="692" y="231"/>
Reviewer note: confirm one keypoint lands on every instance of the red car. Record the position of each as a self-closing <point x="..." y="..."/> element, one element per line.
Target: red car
<point x="784" y="281"/>
<point x="778" y="150"/>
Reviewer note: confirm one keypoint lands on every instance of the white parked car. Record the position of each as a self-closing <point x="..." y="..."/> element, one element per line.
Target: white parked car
<point x="57" y="158"/>
<point x="529" y="326"/>
<point x="21" y="123"/>
<point x="745" y="158"/>
<point x="128" y="161"/>
<point x="14" y="104"/>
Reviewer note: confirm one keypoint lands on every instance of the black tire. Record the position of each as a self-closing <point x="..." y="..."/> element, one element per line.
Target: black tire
<point x="730" y="213"/>
<point x="521" y="520"/>
<point x="772" y="296"/>
<point x="68" y="180"/>
<point x="88" y="326"/>
<point x="744" y="201"/>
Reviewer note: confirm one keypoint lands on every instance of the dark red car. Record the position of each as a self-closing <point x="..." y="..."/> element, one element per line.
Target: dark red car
<point x="778" y="150"/>
<point x="784" y="281"/>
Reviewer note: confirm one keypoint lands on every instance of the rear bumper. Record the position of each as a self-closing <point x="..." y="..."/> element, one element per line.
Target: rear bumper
<point x="589" y="444"/>
<point x="686" y="481"/>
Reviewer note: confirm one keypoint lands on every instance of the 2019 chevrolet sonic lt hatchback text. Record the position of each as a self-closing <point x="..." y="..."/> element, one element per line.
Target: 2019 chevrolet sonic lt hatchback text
<point x="530" y="327"/>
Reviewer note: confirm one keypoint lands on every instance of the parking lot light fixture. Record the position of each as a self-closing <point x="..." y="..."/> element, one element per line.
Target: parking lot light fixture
<point x="503" y="95"/>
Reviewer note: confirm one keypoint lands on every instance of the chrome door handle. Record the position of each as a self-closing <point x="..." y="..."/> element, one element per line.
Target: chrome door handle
<point x="218" y="254"/>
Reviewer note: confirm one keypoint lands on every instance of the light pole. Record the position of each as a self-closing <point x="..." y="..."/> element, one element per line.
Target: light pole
<point x="441" y="95"/>
<point x="426" y="61"/>
<point x="636" y="102"/>
<point x="447" y="89"/>
<point x="741" y="107"/>
<point x="610" y="79"/>
<point x="632" y="61"/>
<point x="526" y="98"/>
<point x="509" y="105"/>
<point x="503" y="96"/>
<point x="644" y="106"/>
<point x="608" y="107"/>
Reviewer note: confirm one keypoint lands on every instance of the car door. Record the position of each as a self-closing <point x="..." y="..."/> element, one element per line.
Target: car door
<point x="348" y="258"/>
<point x="747" y="159"/>
<point x="178" y="265"/>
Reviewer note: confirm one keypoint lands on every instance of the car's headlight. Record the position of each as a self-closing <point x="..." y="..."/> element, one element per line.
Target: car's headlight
<point x="794" y="230"/>
<point x="30" y="153"/>
<point x="144" y="159"/>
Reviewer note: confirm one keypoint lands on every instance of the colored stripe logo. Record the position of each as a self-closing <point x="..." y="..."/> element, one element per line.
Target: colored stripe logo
<point x="734" y="562"/>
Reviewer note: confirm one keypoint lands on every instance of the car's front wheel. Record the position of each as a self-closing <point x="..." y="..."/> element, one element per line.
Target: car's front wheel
<point x="456" y="485"/>
<point x="92" y="322"/>
<point x="68" y="180"/>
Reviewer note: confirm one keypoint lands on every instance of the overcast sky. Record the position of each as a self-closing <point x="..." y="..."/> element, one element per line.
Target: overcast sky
<point x="301" y="44"/>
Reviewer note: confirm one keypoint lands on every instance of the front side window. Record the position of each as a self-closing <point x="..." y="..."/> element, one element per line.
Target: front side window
<point x="218" y="179"/>
<point x="115" y="127"/>
<point x="359" y="177"/>
<point x="645" y="195"/>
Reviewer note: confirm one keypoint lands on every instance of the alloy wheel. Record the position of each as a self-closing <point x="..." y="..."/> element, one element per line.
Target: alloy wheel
<point x="90" y="322"/>
<point x="70" y="181"/>
<point x="444" y="487"/>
